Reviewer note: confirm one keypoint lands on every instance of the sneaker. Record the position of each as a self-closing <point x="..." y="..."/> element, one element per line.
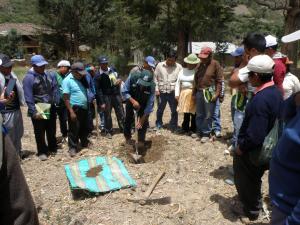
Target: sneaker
<point x="72" y="152"/>
<point x="108" y="135"/>
<point x="231" y="148"/>
<point x="238" y="211"/>
<point x="204" y="139"/>
<point x="194" y="135"/>
<point x="229" y="182"/>
<point x="130" y="142"/>
<point x="43" y="157"/>
<point x="218" y="134"/>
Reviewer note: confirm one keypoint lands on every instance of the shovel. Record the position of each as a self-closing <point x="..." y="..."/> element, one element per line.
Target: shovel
<point x="136" y="156"/>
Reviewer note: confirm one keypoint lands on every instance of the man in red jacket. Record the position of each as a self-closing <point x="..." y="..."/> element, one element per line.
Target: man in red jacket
<point x="280" y="68"/>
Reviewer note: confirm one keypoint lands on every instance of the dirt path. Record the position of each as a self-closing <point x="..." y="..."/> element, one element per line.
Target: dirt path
<point x="193" y="190"/>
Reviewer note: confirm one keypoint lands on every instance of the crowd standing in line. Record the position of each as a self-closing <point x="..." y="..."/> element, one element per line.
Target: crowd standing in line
<point x="266" y="94"/>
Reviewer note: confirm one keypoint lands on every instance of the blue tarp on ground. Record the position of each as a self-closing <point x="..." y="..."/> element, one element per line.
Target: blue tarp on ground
<point x="113" y="175"/>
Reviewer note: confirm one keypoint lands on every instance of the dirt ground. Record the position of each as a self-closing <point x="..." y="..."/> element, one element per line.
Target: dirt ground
<point x="193" y="190"/>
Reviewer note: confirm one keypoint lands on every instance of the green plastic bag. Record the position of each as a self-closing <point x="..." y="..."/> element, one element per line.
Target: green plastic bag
<point x="263" y="156"/>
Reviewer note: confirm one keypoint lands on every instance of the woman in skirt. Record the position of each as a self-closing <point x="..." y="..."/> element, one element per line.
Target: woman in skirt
<point x="183" y="94"/>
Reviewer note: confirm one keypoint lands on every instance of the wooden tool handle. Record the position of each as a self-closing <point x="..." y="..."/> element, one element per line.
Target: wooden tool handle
<point x="154" y="183"/>
<point x="97" y="117"/>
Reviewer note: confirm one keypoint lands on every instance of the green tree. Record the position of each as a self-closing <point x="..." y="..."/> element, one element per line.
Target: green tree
<point x="10" y="44"/>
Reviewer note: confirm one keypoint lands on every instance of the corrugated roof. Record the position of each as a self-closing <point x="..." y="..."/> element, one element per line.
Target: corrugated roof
<point x="22" y="28"/>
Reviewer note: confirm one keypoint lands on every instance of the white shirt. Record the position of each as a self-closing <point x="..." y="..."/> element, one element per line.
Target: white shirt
<point x="185" y="80"/>
<point x="290" y="85"/>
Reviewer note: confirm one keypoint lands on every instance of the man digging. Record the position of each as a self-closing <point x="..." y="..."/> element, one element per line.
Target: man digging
<point x="139" y="93"/>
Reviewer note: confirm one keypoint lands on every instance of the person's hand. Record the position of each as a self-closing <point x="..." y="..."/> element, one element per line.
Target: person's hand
<point x="221" y="99"/>
<point x="5" y="100"/>
<point x="214" y="98"/>
<point x="138" y="124"/>
<point x="118" y="82"/>
<point x="177" y="98"/>
<point x="136" y="105"/>
<point x="102" y="107"/>
<point x="194" y="97"/>
<point x="157" y="93"/>
<point x="238" y="151"/>
<point x="73" y="116"/>
<point x="38" y="116"/>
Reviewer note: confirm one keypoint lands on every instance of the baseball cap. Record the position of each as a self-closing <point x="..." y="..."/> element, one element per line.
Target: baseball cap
<point x="151" y="61"/>
<point x="65" y="63"/>
<point x="5" y="61"/>
<point x="38" y="60"/>
<point x="146" y="78"/>
<point x="102" y="59"/>
<point x="271" y="41"/>
<point x="205" y="52"/>
<point x="237" y="52"/>
<point x="261" y="64"/>
<point x="79" y="67"/>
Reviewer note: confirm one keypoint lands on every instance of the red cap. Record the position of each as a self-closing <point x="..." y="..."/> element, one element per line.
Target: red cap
<point x="205" y="52"/>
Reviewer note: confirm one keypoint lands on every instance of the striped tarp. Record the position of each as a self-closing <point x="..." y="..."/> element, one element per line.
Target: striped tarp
<point x="113" y="175"/>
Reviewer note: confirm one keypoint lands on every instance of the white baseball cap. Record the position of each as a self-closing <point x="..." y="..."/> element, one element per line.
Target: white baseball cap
<point x="64" y="63"/>
<point x="261" y="64"/>
<point x="271" y="41"/>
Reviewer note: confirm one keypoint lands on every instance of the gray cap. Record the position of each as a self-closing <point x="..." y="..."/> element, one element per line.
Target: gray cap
<point x="79" y="67"/>
<point x="5" y="61"/>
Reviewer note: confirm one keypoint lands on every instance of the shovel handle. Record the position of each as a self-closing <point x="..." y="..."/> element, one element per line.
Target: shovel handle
<point x="154" y="183"/>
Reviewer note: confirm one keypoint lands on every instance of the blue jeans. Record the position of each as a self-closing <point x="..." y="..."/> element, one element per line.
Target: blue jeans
<point x="165" y="98"/>
<point x="237" y="123"/>
<point x="217" y="117"/>
<point x="204" y="114"/>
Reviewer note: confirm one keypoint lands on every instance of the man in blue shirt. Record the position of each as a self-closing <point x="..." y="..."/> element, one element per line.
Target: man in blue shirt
<point x="41" y="87"/>
<point x="139" y="92"/>
<point x="75" y="88"/>
<point x="260" y="114"/>
<point x="284" y="176"/>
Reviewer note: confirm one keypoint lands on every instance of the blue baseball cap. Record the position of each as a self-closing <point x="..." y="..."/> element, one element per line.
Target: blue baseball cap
<point x="102" y="59"/>
<point x="238" y="52"/>
<point x="38" y="60"/>
<point x="151" y="61"/>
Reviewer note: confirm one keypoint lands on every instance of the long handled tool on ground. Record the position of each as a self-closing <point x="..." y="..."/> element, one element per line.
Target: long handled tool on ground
<point x="143" y="201"/>
<point x="136" y="156"/>
<point x="97" y="118"/>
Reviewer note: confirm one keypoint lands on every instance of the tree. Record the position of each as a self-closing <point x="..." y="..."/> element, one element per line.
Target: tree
<point x="291" y="11"/>
<point x="10" y="44"/>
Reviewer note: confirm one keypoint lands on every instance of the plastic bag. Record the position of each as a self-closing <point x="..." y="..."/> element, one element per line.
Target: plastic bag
<point x="263" y="156"/>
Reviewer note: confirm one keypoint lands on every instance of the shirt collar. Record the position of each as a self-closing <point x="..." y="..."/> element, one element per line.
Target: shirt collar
<point x="264" y="86"/>
<point x="102" y="71"/>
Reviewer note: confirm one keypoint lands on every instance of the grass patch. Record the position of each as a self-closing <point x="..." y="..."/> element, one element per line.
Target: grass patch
<point x="20" y="71"/>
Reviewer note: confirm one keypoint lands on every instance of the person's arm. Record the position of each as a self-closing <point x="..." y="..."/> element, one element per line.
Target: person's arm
<point x="28" y="92"/>
<point x="257" y="130"/>
<point x="195" y="83"/>
<point x="177" y="85"/>
<point x="156" y="75"/>
<point x="239" y="77"/>
<point x="150" y="105"/>
<point x="99" y="92"/>
<point x="279" y="74"/>
<point x="125" y="93"/>
<point x="219" y="80"/>
<point x="296" y="82"/>
<point x="17" y="205"/>
<point x="69" y="107"/>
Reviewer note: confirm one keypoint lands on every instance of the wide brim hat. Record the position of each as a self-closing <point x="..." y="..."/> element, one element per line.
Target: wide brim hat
<point x="191" y="59"/>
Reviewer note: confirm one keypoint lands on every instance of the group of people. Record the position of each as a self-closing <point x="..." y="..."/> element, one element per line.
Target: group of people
<point x="266" y="93"/>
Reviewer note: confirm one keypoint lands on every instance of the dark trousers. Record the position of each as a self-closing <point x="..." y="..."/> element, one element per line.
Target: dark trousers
<point x="62" y="113"/>
<point x="247" y="179"/>
<point x="129" y="120"/>
<point x="48" y="127"/>
<point x="189" y="122"/>
<point x="165" y="98"/>
<point x="113" y="102"/>
<point x="78" y="129"/>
